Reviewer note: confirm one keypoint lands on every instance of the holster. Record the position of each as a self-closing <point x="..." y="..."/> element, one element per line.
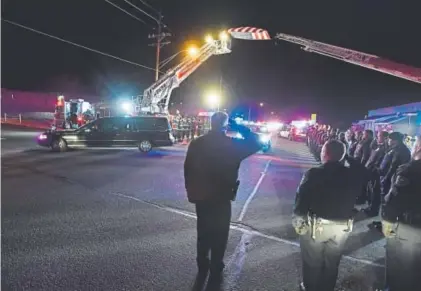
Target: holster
<point x="316" y="224"/>
<point x="312" y="222"/>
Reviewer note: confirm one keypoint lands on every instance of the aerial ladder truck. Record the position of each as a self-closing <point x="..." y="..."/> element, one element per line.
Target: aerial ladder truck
<point x="156" y="98"/>
<point x="354" y="57"/>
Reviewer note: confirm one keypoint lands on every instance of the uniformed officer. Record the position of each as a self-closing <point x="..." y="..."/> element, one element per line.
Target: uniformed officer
<point x="362" y="154"/>
<point x="363" y="149"/>
<point x="398" y="154"/>
<point x="379" y="148"/>
<point x="323" y="212"/>
<point x="211" y="173"/>
<point x="402" y="225"/>
<point x="352" y="142"/>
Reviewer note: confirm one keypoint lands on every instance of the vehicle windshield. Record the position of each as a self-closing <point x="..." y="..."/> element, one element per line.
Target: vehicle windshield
<point x="87" y="125"/>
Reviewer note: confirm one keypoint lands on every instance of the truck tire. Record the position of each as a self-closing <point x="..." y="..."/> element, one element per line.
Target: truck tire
<point x="145" y="146"/>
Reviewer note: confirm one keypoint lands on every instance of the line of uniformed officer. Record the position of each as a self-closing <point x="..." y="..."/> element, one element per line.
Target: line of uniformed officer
<point x="401" y="219"/>
<point x="391" y="174"/>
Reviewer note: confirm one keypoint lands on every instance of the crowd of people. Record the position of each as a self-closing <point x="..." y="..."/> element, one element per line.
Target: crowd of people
<point x="382" y="176"/>
<point x="356" y="168"/>
<point x="187" y="127"/>
<point x="380" y="155"/>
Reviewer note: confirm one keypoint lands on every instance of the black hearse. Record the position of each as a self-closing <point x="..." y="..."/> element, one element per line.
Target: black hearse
<point x="143" y="132"/>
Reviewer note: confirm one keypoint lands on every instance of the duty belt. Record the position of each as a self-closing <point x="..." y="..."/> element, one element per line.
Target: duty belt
<point x="316" y="224"/>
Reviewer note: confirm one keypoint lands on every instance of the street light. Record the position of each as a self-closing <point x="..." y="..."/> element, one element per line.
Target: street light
<point x="213" y="99"/>
<point x="261" y="104"/>
<point x="191" y="52"/>
<point x="209" y="39"/>
<point x="223" y="36"/>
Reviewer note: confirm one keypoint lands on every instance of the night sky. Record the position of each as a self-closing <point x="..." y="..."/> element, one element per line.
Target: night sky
<point x="284" y="77"/>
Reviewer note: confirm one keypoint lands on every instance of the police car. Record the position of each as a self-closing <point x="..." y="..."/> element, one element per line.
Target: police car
<point x="265" y="136"/>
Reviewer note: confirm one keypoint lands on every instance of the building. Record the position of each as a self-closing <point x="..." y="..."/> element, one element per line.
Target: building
<point x="15" y="101"/>
<point x="403" y="118"/>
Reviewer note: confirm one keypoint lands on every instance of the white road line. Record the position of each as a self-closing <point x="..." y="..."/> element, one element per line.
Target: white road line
<point x="239" y="228"/>
<point x="237" y="259"/>
<point x="253" y="193"/>
<point x="236" y="262"/>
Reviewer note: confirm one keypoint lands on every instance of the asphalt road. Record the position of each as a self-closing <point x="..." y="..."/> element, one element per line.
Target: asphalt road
<point x="119" y="220"/>
<point x="15" y="139"/>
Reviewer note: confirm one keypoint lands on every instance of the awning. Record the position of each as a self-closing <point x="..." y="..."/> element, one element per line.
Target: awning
<point x="391" y="120"/>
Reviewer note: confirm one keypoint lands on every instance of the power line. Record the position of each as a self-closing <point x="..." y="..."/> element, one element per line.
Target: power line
<point x="160" y="36"/>
<point x="128" y="13"/>
<point x="144" y="12"/>
<point x="149" y="6"/>
<point x="77" y="45"/>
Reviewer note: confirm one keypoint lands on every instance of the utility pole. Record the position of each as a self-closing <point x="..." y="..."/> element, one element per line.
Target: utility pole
<point x="160" y="36"/>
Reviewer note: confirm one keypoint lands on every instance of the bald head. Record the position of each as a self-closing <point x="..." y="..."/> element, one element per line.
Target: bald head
<point x="219" y="121"/>
<point x="332" y="151"/>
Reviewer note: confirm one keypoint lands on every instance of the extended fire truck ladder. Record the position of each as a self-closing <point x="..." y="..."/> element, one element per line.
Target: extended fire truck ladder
<point x="357" y="58"/>
<point x="156" y="98"/>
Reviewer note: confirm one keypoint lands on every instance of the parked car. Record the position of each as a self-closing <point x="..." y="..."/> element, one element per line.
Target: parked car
<point x="144" y="132"/>
<point x="293" y="133"/>
<point x="285" y="131"/>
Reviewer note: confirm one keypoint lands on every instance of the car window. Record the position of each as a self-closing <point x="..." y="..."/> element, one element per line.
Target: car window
<point x="93" y="125"/>
<point x="115" y="124"/>
<point x="161" y="124"/>
<point x="150" y="123"/>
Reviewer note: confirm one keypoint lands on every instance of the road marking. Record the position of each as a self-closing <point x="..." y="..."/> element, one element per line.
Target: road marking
<point x="235" y="226"/>
<point x="237" y="259"/>
<point x="253" y="193"/>
<point x="236" y="262"/>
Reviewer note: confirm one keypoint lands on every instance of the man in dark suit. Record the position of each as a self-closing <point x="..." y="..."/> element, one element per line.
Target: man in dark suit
<point x="211" y="180"/>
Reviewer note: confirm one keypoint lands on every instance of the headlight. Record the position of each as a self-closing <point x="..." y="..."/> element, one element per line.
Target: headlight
<point x="265" y="138"/>
<point x="239" y="135"/>
<point x="42" y="136"/>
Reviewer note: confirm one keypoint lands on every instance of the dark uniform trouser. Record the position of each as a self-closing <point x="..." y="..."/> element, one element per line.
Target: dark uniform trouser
<point x="373" y="191"/>
<point x="403" y="259"/>
<point x="321" y="257"/>
<point x="213" y="223"/>
<point x="384" y="188"/>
